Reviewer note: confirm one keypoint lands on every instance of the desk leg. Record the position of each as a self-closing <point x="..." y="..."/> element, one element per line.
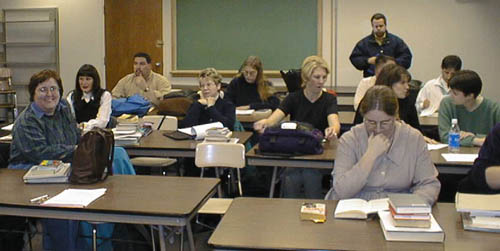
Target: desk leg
<point x="273" y="182"/>
<point x="190" y="236"/>
<point x="161" y="238"/>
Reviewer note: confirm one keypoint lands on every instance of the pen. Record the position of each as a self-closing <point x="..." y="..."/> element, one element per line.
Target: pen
<point x="39" y="198"/>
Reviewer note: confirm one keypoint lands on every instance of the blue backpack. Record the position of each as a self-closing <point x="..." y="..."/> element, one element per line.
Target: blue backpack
<point x="135" y="104"/>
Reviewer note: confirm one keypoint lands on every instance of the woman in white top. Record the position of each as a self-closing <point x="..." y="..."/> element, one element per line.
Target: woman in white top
<point x="383" y="155"/>
<point x="90" y="103"/>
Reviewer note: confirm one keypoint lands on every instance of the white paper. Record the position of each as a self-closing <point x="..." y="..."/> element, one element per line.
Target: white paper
<point x="75" y="197"/>
<point x="459" y="157"/>
<point x="199" y="130"/>
<point x="6" y="137"/>
<point x="429" y="112"/>
<point x="8" y="127"/>
<point x="431" y="147"/>
<point x="245" y="112"/>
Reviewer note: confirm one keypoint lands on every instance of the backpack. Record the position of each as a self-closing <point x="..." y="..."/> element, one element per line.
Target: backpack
<point x="135" y="104"/>
<point x="291" y="139"/>
<point x="176" y="103"/>
<point x="93" y="158"/>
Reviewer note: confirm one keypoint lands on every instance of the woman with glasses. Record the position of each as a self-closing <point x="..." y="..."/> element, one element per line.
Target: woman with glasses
<point x="46" y="130"/>
<point x="90" y="103"/>
<point x="250" y="89"/>
<point x="383" y="155"/>
<point x="210" y="106"/>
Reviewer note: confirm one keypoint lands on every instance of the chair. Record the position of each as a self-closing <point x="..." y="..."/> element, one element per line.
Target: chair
<point x="292" y="79"/>
<point x="159" y="122"/>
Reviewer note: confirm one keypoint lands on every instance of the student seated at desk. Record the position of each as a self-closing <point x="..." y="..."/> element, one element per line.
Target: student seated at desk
<point x="46" y="130"/>
<point x="250" y="89"/>
<point x="383" y="155"/>
<point x="476" y="114"/>
<point x="210" y="106"/>
<point x="484" y="176"/>
<point x="398" y="78"/>
<point x="90" y="104"/>
<point x="314" y="106"/>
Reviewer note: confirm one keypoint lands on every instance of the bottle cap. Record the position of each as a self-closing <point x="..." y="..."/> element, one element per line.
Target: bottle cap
<point x="454" y="121"/>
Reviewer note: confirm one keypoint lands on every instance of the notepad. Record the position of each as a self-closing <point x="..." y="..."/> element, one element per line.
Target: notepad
<point x="431" y="147"/>
<point x="75" y="197"/>
<point x="459" y="157"/>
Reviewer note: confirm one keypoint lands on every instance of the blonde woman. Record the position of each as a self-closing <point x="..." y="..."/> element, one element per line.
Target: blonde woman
<point x="314" y="106"/>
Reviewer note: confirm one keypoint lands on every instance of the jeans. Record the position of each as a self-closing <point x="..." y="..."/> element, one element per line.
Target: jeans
<point x="310" y="178"/>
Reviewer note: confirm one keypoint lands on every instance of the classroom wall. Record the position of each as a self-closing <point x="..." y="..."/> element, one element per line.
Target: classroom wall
<point x="81" y="34"/>
<point x="426" y="25"/>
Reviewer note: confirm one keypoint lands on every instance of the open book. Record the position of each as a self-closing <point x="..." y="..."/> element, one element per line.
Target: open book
<point x="199" y="131"/>
<point x="359" y="208"/>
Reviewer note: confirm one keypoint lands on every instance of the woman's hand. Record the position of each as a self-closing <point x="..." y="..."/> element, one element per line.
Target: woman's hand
<point x="378" y="145"/>
<point x="260" y="125"/>
<point x="330" y="133"/>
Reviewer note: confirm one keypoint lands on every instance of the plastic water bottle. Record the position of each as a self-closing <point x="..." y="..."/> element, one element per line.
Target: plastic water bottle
<point x="454" y="137"/>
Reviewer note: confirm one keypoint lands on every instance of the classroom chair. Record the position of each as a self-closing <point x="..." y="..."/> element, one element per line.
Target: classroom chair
<point x="219" y="155"/>
<point x="160" y="122"/>
<point x="292" y="79"/>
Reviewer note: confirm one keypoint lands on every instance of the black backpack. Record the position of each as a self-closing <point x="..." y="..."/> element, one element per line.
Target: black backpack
<point x="93" y="158"/>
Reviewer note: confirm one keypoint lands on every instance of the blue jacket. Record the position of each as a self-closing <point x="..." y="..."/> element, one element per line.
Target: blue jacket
<point x="367" y="47"/>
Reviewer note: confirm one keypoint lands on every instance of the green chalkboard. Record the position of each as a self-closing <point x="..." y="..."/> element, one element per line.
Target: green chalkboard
<point x="222" y="33"/>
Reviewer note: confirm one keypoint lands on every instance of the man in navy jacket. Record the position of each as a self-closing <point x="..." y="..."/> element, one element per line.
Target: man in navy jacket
<point x="379" y="42"/>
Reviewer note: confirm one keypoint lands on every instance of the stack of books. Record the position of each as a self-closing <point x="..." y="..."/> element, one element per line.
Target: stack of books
<point x="127" y="134"/>
<point x="48" y="171"/>
<point x="218" y="135"/>
<point x="480" y="212"/>
<point x="409" y="210"/>
<point x="409" y="219"/>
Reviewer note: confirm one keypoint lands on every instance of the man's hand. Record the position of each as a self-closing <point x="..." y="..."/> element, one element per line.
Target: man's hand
<point x="371" y="60"/>
<point x="140" y="82"/>
<point x="426" y="104"/>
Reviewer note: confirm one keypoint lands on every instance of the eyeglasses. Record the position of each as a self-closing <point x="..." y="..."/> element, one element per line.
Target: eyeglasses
<point x="250" y="73"/>
<point x="384" y="124"/>
<point x="45" y="90"/>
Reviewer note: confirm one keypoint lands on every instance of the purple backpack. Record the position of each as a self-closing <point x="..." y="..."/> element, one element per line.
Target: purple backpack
<point x="304" y="139"/>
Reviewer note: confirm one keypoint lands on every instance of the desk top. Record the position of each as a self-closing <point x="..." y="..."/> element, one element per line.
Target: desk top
<point x="324" y="160"/>
<point x="255" y="116"/>
<point x="438" y="160"/>
<point x="259" y="223"/>
<point x="131" y="194"/>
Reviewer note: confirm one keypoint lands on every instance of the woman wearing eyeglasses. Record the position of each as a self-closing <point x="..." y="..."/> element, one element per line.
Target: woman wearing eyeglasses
<point x="46" y="129"/>
<point x="250" y="89"/>
<point x="383" y="155"/>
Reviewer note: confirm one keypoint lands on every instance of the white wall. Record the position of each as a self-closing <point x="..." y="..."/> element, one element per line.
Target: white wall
<point x="81" y="34"/>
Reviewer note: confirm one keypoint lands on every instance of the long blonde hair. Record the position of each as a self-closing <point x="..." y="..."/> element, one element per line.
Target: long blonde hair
<point x="264" y="89"/>
<point x="309" y="65"/>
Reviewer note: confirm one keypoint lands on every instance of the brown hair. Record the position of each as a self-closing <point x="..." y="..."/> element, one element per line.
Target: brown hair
<point x="392" y="74"/>
<point x="380" y="98"/>
<point x="212" y="74"/>
<point x="41" y="77"/>
<point x="309" y="65"/>
<point x="264" y="89"/>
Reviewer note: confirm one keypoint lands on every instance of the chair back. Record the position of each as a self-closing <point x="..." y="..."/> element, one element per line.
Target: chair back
<point x="169" y="123"/>
<point x="156" y="120"/>
<point x="220" y="154"/>
<point x="292" y="79"/>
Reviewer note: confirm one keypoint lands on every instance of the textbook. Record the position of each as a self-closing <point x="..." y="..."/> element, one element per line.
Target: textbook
<point x="478" y="204"/>
<point x="408" y="203"/>
<point x="481" y="223"/>
<point x="359" y="208"/>
<point x="315" y="212"/>
<point x="392" y="233"/>
<point x="199" y="131"/>
<point x="48" y="171"/>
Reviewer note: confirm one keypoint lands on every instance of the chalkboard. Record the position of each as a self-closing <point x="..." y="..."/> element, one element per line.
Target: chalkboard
<point x="222" y="33"/>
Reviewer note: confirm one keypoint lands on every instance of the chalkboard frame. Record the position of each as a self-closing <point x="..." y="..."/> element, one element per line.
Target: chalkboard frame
<point x="231" y="72"/>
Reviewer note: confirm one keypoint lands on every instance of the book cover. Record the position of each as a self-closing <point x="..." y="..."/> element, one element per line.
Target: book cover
<point x="408" y="203"/>
<point x="481" y="223"/>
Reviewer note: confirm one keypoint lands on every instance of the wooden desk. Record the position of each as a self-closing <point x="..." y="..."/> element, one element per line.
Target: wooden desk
<point x="452" y="167"/>
<point x="323" y="161"/>
<point x="158" y="145"/>
<point x="171" y="201"/>
<point x="259" y="223"/>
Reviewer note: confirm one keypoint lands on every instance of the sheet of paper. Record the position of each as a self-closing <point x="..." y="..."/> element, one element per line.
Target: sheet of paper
<point x="6" y="137"/>
<point x="245" y="112"/>
<point x="431" y="147"/>
<point x="75" y="197"/>
<point x="459" y="157"/>
<point x="8" y="127"/>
